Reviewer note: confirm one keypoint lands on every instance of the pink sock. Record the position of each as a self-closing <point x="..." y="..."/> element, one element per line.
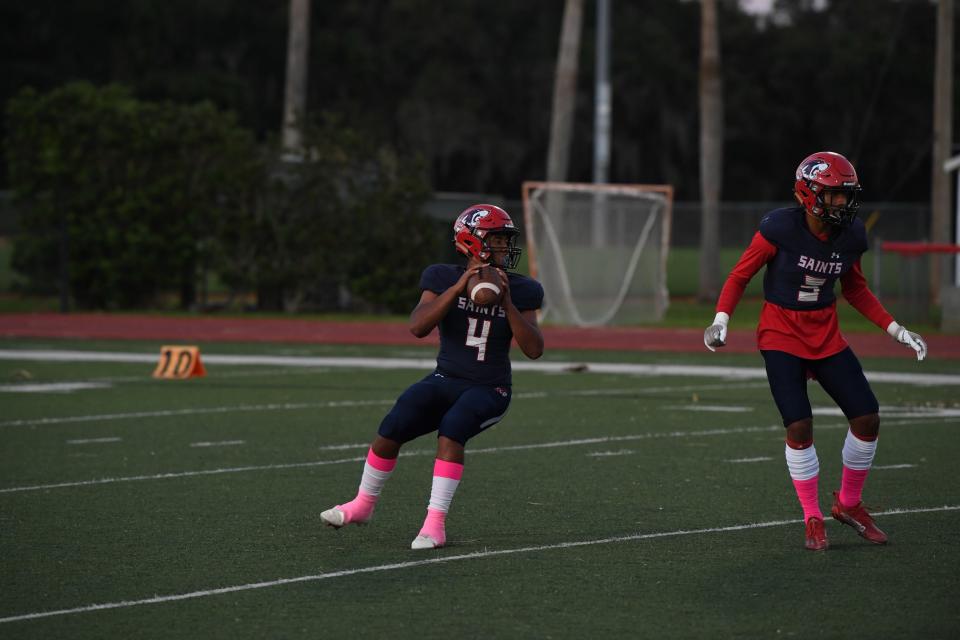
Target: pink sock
<point x="376" y="472"/>
<point x="446" y="478"/>
<point x="807" y="493"/>
<point x="851" y="486"/>
<point x="434" y="526"/>
<point x="381" y="464"/>
<point x="444" y="469"/>
<point x="360" y="508"/>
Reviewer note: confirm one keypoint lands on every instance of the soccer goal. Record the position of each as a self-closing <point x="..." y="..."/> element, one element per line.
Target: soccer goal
<point x="599" y="250"/>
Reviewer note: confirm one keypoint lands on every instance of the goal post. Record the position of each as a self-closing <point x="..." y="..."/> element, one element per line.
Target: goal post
<point x="599" y="250"/>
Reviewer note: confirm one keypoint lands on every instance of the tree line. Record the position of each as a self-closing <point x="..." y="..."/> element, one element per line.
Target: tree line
<point x="125" y="200"/>
<point x="414" y="96"/>
<point x="468" y="84"/>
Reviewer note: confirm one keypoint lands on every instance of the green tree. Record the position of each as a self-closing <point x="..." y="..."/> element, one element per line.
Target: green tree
<point x="341" y="227"/>
<point x="117" y="194"/>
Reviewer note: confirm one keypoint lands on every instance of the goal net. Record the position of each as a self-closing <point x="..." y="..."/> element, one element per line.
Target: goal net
<point x="599" y="250"/>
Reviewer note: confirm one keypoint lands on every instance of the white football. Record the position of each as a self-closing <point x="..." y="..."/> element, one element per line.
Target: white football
<point x="484" y="288"/>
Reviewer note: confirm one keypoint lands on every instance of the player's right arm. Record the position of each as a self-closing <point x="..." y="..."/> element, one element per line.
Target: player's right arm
<point x="759" y="253"/>
<point x="433" y="307"/>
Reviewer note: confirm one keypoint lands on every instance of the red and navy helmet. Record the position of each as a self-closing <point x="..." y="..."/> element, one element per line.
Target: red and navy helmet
<point x="476" y="224"/>
<point x="821" y="173"/>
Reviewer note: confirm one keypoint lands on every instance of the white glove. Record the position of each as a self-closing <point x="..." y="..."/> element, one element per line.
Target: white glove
<point x="716" y="334"/>
<point x="909" y="338"/>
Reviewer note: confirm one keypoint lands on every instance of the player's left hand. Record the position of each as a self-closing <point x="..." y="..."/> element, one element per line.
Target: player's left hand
<point x="504" y="287"/>
<point x="908" y="338"/>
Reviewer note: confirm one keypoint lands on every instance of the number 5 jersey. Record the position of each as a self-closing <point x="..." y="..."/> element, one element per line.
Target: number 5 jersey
<point x="799" y="314"/>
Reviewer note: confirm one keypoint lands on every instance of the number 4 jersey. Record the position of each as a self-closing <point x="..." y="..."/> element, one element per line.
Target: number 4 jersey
<point x="474" y="339"/>
<point x="799" y="315"/>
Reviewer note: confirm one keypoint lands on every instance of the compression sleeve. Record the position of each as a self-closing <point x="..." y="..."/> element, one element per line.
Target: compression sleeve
<point x="759" y="253"/>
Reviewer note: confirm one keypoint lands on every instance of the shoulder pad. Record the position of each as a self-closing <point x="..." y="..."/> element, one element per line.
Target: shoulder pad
<point x="778" y="225"/>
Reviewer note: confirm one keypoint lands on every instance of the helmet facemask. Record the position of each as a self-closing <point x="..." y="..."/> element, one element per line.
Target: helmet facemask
<point x="509" y="252"/>
<point x="837" y="215"/>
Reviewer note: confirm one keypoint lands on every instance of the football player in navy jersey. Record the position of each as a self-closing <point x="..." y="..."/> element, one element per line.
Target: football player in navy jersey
<point x="470" y="389"/>
<point x="806" y="249"/>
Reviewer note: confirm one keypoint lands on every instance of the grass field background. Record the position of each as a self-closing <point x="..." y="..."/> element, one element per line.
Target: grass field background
<point x="603" y="505"/>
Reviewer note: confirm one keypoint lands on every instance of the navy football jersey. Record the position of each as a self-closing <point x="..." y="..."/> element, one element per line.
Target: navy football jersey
<point x="802" y="274"/>
<point x="474" y="339"/>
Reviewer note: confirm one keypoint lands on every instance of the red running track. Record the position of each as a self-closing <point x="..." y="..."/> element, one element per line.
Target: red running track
<point x="192" y="330"/>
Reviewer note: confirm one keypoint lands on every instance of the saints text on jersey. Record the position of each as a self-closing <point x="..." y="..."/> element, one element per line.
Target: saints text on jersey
<point x="494" y="310"/>
<point x="819" y="266"/>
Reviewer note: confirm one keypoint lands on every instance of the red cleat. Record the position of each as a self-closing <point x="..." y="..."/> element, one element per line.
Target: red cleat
<point x="816" y="535"/>
<point x="858" y="518"/>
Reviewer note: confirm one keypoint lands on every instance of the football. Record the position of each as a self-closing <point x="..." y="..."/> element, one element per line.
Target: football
<point x="484" y="287"/>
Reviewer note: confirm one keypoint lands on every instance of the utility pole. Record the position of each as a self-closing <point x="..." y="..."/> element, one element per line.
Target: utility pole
<point x="295" y="95"/>
<point x="601" y="121"/>
<point x="942" y="142"/>
<point x="711" y="151"/>
<point x="564" y="92"/>
<point x="602" y="96"/>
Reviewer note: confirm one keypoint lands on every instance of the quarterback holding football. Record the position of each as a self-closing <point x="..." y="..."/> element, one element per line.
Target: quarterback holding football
<point x="805" y="250"/>
<point x="480" y="308"/>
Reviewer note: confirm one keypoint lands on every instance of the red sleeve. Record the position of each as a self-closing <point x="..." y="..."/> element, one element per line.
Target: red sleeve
<point x="854" y="287"/>
<point x="759" y="253"/>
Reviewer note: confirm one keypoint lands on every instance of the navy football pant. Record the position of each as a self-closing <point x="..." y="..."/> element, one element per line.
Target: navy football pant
<point x="840" y="375"/>
<point x="456" y="408"/>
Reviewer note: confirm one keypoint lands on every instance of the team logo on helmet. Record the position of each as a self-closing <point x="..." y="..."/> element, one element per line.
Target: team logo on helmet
<point x="475" y="216"/>
<point x="811" y="169"/>
<point x="470" y="219"/>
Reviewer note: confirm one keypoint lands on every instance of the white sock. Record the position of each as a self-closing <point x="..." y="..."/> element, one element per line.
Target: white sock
<point x="858" y="454"/>
<point x="803" y="464"/>
<point x="441" y="493"/>
<point x="373" y="479"/>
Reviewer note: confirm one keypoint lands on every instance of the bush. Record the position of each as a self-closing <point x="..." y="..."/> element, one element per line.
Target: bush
<point x="121" y="194"/>
<point x="342" y="227"/>
<point x="124" y="200"/>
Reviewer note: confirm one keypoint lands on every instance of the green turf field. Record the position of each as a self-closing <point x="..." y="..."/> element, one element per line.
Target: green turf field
<point x="602" y="506"/>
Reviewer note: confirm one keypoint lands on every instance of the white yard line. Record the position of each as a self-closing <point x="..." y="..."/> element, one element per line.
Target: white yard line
<point x="341" y="447"/>
<point x="608" y="454"/>
<point x="886" y="411"/>
<point x="298" y="406"/>
<point x="286" y="406"/>
<point x="220" y="374"/>
<point x="52" y="387"/>
<point x="426" y="364"/>
<point x="898" y="412"/>
<point x="478" y="555"/>
<point x="757" y="459"/>
<point x="429" y="452"/>
<point x="94" y="440"/>
<point x="222" y="443"/>
<point x="182" y="474"/>
<point x="710" y="408"/>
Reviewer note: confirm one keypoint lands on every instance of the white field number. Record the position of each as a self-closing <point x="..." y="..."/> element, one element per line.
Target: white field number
<point x="810" y="289"/>
<point x="478" y="341"/>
